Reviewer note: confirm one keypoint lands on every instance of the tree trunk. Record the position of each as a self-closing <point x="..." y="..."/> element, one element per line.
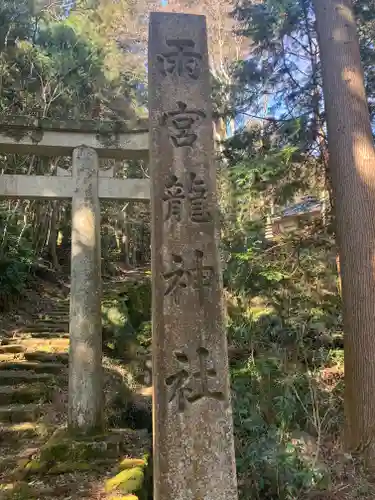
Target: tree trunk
<point x="352" y="166"/>
<point x="53" y="236"/>
<point x="125" y="243"/>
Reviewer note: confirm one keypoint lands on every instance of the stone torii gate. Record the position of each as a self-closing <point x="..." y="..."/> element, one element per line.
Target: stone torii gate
<point x="85" y="142"/>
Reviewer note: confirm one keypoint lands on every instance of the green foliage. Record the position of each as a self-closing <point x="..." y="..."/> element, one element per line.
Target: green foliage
<point x="269" y="160"/>
<point x="267" y="407"/>
<point x="284" y="306"/>
<point x="126" y="315"/>
<point x="63" y="66"/>
<point x="15" y="271"/>
<point x="284" y="312"/>
<point x="138" y="299"/>
<point x="16" y="259"/>
<point x="284" y="271"/>
<point x="117" y="327"/>
<point x="58" y="66"/>
<point x="364" y="11"/>
<point x="144" y="334"/>
<point x="279" y="390"/>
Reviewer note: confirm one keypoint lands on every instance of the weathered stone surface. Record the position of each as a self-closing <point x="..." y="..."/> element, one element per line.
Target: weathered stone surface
<point x="46" y="357"/>
<point x="55" y="187"/>
<point x="85" y="351"/>
<point x="17" y="377"/>
<point x="19" y="413"/>
<point x="25" y="430"/>
<point x="101" y="127"/>
<point x="128" y="140"/>
<point x="30" y="393"/>
<point x="12" y="348"/>
<point x="193" y="437"/>
<point x="33" y="366"/>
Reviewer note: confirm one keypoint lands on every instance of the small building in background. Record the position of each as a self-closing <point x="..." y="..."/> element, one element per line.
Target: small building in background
<point x="294" y="217"/>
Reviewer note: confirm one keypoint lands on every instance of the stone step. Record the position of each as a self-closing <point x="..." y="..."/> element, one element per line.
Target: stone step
<point x="46" y="357"/>
<point x="59" y="320"/>
<point x="8" y="462"/>
<point x="52" y="314"/>
<point x="42" y="344"/>
<point x="45" y="327"/>
<point x="24" y="430"/>
<point x="12" y="349"/>
<point x="18" y="377"/>
<point x="49" y="345"/>
<point x="59" y="491"/>
<point x="33" y="366"/>
<point x="49" y="335"/>
<point x="4" y="358"/>
<point x="20" y="413"/>
<point x="30" y="393"/>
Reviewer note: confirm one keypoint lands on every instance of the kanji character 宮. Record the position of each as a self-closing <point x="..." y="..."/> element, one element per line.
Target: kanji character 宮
<point x="181" y="124"/>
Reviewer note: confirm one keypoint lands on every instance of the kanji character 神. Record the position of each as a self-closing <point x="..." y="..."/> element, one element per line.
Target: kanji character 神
<point x="197" y="277"/>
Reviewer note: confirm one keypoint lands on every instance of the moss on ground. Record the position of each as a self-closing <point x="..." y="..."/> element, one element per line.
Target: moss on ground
<point x="126" y="481"/>
<point x="64" y="448"/>
<point x="133" y="478"/>
<point x="129" y="463"/>
<point x="19" y="491"/>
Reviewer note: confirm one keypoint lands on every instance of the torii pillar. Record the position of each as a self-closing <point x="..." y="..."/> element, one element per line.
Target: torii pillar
<point x="85" y="347"/>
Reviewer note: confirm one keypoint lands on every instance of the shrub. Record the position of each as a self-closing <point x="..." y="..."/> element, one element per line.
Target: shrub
<point x="117" y="328"/>
<point x="269" y="404"/>
<point x="14" y="275"/>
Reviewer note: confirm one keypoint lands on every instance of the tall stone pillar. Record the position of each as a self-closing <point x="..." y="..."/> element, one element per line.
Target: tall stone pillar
<point x="193" y="430"/>
<point x="85" y="352"/>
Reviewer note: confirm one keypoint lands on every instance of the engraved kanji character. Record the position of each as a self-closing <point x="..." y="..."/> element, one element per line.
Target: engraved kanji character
<point x="206" y="370"/>
<point x="178" y="381"/>
<point x="189" y="385"/>
<point x="173" y="195"/>
<point x="198" y="200"/>
<point x="180" y="60"/>
<point x="180" y="124"/>
<point x="198" y="277"/>
<point x="202" y="274"/>
<point x="178" y="278"/>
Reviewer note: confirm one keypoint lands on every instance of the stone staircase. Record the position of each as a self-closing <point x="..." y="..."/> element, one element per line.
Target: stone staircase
<point x="33" y="360"/>
<point x="33" y="407"/>
<point x="33" y="364"/>
<point x="51" y="324"/>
